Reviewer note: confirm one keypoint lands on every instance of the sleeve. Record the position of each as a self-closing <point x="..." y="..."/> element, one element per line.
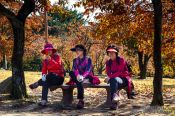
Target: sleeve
<point x="61" y="65"/>
<point x="88" y="68"/>
<point x="44" y="67"/>
<point x="75" y="68"/>
<point x="108" y="69"/>
<point x="125" y="70"/>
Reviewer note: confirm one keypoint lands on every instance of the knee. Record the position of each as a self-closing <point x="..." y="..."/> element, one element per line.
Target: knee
<point x="44" y="84"/>
<point x="112" y="81"/>
<point x="119" y="80"/>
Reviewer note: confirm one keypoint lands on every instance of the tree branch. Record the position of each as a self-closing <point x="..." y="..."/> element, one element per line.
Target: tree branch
<point x="6" y="12"/>
<point x="26" y="9"/>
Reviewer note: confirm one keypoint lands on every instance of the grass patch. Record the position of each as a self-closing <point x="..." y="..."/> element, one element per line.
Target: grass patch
<point x="141" y="85"/>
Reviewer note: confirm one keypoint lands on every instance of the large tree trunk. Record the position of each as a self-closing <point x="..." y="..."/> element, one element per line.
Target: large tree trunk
<point x="143" y="63"/>
<point x="18" y="21"/>
<point x="18" y="81"/>
<point x="157" y="82"/>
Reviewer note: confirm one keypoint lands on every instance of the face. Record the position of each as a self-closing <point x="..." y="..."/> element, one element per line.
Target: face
<point x="79" y="53"/>
<point x="112" y="55"/>
<point x="49" y="52"/>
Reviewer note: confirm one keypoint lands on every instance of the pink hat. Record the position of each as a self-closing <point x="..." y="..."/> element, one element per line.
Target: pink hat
<point x="48" y="46"/>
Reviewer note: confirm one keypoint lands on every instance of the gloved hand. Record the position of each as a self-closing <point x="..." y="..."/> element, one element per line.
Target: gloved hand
<point x="106" y="80"/>
<point x="43" y="77"/>
<point x="80" y="78"/>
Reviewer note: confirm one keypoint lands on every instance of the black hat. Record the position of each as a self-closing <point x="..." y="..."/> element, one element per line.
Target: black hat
<point x="79" y="47"/>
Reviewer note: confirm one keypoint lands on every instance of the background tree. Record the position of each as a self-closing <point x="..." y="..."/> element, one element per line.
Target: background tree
<point x="6" y="42"/>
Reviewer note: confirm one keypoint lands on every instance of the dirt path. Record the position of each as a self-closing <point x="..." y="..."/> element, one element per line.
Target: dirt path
<point x="94" y="98"/>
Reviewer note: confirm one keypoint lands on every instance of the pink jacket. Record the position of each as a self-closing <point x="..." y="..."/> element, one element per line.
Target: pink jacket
<point x="118" y="68"/>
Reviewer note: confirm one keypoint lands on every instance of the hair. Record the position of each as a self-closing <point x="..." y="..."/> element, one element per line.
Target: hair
<point x="84" y="52"/>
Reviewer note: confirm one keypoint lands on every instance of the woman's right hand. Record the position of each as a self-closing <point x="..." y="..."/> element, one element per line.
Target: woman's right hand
<point x="43" y="77"/>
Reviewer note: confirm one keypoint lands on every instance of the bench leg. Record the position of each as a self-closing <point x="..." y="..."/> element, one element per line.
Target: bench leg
<point x="108" y="98"/>
<point x="67" y="96"/>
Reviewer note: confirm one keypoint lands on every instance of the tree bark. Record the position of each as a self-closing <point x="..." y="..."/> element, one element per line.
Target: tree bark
<point x="18" y="81"/>
<point x="157" y="82"/>
<point x="143" y="63"/>
<point x="18" y="90"/>
<point x="4" y="60"/>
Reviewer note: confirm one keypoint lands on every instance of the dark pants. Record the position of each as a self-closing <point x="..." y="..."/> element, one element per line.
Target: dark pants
<point x="51" y="80"/>
<point x="80" y="88"/>
<point x="116" y="84"/>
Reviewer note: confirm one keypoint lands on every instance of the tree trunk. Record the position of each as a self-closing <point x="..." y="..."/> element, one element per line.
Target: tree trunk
<point x="18" y="21"/>
<point x="100" y="70"/>
<point x="18" y="81"/>
<point x="143" y="63"/>
<point x="157" y="82"/>
<point x="4" y="61"/>
<point x="101" y="67"/>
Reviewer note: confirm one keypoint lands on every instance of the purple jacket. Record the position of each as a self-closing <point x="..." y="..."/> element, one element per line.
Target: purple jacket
<point x="84" y="67"/>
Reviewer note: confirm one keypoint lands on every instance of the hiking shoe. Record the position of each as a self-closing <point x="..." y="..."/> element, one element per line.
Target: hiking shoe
<point x="80" y="104"/>
<point x="33" y="86"/>
<point x="133" y="93"/>
<point x="43" y="103"/>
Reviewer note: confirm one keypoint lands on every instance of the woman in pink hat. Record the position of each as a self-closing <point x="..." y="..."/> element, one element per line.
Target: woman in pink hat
<point x="52" y="72"/>
<point x="118" y="75"/>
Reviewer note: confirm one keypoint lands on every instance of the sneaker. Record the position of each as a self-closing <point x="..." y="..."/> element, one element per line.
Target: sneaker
<point x="116" y="98"/>
<point x="114" y="106"/>
<point x="80" y="104"/>
<point x="33" y="86"/>
<point x="133" y="93"/>
<point x="42" y="103"/>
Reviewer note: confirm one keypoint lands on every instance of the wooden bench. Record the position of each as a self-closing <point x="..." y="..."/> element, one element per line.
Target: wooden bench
<point x="68" y="92"/>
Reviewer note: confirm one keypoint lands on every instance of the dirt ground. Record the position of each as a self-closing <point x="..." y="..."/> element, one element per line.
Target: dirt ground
<point x="94" y="99"/>
<point x="93" y="105"/>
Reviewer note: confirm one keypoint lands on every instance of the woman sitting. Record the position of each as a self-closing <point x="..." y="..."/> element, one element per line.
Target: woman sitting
<point x="52" y="72"/>
<point x="118" y="75"/>
<point x="82" y="73"/>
